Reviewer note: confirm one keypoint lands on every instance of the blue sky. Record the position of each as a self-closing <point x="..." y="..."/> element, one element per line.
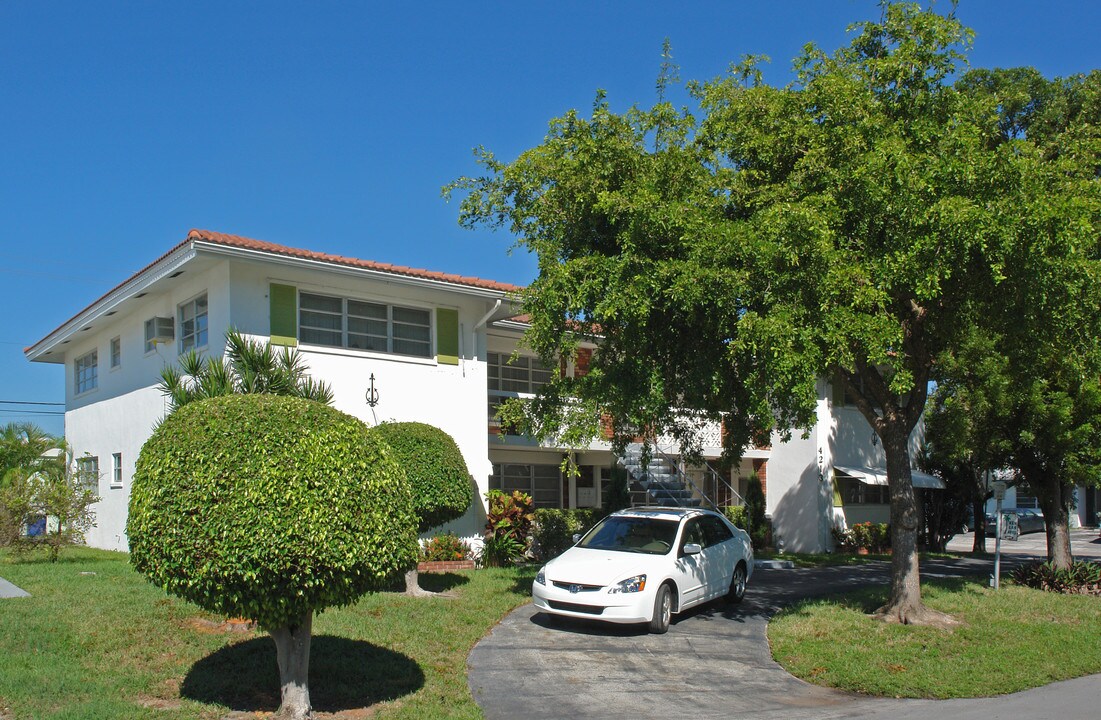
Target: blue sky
<point x="332" y="126"/>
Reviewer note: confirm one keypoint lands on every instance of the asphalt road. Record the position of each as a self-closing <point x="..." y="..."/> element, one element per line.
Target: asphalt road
<point x="715" y="662"/>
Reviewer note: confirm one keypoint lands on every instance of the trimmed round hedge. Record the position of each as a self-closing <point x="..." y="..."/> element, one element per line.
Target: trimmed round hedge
<point x="435" y="469"/>
<point x="268" y="507"/>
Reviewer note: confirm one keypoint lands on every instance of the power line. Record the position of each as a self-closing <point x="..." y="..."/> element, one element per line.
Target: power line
<point x="29" y="402"/>
<point x="21" y="413"/>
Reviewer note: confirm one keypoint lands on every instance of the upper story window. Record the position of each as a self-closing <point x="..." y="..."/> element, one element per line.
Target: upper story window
<point x="359" y="325"/>
<point x="193" y="324"/>
<point x="116" y="352"/>
<point x="86" y="372"/>
<point x="522" y="375"/>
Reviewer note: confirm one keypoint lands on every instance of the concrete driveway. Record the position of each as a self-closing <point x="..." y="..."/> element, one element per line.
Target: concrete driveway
<point x="715" y="663"/>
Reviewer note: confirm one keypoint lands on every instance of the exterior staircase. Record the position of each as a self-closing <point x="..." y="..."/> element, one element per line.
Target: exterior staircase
<point x="660" y="482"/>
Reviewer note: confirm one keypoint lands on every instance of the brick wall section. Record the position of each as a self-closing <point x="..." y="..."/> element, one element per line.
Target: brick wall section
<point x="582" y="361"/>
<point x="445" y="565"/>
<point x="760" y="468"/>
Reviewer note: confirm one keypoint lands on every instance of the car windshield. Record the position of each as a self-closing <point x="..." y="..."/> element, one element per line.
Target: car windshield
<point x="632" y="534"/>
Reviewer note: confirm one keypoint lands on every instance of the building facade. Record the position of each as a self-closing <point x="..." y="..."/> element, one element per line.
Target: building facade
<point x="433" y="347"/>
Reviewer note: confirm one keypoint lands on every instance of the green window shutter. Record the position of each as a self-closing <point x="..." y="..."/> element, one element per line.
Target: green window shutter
<point x="447" y="336"/>
<point x="284" y="314"/>
<point x="837" y="502"/>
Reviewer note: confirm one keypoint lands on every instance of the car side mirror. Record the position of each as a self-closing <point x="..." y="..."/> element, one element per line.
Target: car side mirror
<point x="692" y="549"/>
<point x="576" y="537"/>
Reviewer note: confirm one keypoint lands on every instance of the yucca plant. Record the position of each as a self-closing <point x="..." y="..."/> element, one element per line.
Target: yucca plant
<point x="247" y="367"/>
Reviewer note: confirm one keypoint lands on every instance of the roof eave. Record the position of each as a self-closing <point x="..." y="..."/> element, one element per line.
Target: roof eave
<point x="138" y="283"/>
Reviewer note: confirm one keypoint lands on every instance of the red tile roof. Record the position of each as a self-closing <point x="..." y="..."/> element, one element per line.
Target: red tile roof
<point x="250" y="244"/>
<point x="236" y="241"/>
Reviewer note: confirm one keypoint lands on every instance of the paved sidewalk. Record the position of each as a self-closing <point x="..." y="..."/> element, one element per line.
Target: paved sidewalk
<point x="7" y="590"/>
<point x="715" y="663"/>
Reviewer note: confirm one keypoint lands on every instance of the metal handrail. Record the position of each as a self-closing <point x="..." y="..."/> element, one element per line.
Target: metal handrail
<point x="713" y="474"/>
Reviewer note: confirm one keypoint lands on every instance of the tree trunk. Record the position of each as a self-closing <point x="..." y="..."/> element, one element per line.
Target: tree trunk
<point x="292" y="647"/>
<point x="1057" y="525"/>
<point x="904" y="605"/>
<point x="978" y="512"/>
<point x="413" y="585"/>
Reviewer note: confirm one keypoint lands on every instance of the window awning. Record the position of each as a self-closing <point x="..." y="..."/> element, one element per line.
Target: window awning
<point x="878" y="476"/>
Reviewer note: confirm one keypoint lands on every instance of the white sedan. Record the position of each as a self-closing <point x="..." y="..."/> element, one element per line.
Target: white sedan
<point x="644" y="564"/>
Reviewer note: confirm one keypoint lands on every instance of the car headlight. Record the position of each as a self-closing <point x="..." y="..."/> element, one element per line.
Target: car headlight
<point x="630" y="585"/>
<point x="541" y="576"/>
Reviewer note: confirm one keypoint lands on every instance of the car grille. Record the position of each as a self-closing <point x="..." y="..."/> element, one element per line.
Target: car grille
<point x="576" y="607"/>
<point x="580" y="588"/>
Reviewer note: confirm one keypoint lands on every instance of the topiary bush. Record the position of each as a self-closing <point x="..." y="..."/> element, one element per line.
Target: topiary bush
<point x="269" y="508"/>
<point x="435" y="469"/>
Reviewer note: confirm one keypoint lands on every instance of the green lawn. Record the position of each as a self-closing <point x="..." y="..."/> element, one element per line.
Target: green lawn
<point x="1008" y="640"/>
<point x="95" y="640"/>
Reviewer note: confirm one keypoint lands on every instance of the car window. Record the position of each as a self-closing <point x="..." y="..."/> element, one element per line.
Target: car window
<point x="693" y="533"/>
<point x="652" y="536"/>
<point x="715" y="530"/>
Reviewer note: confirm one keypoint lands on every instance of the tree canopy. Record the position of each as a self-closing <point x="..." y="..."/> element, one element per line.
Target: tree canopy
<point x="853" y="224"/>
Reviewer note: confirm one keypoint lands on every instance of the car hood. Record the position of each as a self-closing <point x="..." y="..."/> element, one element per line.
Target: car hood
<point x="600" y="567"/>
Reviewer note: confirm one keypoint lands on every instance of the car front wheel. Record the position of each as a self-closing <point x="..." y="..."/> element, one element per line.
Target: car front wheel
<point x="663" y="610"/>
<point x="737" y="585"/>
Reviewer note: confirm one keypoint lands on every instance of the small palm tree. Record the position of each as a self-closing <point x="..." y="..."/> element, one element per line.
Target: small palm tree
<point x="247" y="367"/>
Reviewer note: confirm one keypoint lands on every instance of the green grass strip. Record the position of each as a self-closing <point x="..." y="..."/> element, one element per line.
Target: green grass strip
<point x="1008" y="640"/>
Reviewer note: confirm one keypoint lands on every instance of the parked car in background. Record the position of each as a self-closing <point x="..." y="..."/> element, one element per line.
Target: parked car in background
<point x="1029" y="520"/>
<point x="644" y="564"/>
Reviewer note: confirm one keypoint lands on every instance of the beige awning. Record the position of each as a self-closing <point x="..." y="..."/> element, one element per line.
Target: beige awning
<point x="878" y="476"/>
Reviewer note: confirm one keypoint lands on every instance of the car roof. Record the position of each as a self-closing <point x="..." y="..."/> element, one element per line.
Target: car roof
<point x="664" y="513"/>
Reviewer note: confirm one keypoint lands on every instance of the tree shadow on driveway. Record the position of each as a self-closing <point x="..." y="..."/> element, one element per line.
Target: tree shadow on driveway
<point x="344" y="675"/>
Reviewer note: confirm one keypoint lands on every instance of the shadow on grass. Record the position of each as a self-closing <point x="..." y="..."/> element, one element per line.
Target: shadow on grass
<point x="344" y="675"/>
<point x="525" y="576"/>
<point x="440" y="582"/>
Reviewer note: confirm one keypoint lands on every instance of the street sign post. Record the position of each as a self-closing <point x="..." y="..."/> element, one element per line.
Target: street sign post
<point x="999" y="495"/>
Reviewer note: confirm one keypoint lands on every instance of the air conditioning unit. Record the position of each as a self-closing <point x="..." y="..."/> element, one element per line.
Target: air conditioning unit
<point x="159" y="330"/>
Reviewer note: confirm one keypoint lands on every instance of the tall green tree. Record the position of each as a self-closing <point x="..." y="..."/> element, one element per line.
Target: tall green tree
<point x="849" y="225"/>
<point x="23" y="446"/>
<point x="965" y="418"/>
<point x="1048" y="314"/>
<point x="247" y="367"/>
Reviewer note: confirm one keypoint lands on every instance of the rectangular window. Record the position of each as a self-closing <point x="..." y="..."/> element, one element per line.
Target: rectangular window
<point x="116" y="470"/>
<point x="193" y="324"/>
<point x="854" y="492"/>
<point x="524" y="374"/>
<point x="86" y="372"/>
<point x="116" y="352"/>
<point x="87" y="469"/>
<point x="361" y="325"/>
<point x="542" y="482"/>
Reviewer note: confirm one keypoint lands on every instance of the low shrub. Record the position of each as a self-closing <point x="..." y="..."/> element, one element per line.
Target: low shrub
<point x="875" y="537"/>
<point x="1083" y="578"/>
<point x="554" y="529"/>
<point x="445" y="547"/>
<point x="737" y="514"/>
<point x="509" y="521"/>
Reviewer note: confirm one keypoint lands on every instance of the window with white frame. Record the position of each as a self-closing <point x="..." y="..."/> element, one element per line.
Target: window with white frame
<point x="193" y="324"/>
<point x="116" y="352"/>
<point x="523" y="374"/>
<point x="116" y="470"/>
<point x="86" y="372"/>
<point x="360" y="325"/>
<point x="542" y="482"/>
<point x="87" y="469"/>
